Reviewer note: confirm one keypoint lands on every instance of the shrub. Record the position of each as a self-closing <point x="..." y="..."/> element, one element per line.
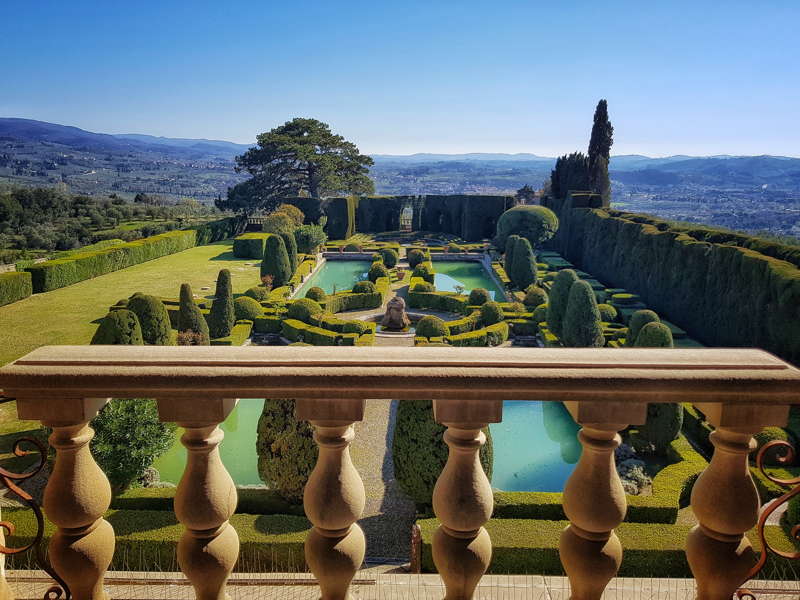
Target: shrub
<point x="309" y="238"/>
<point x="303" y="310"/>
<point x="792" y="515"/>
<point x="358" y="327"/>
<point x="279" y="223"/>
<point x="771" y="434"/>
<point x="389" y="256"/>
<point x="537" y="224"/>
<point x="276" y="261"/>
<point x="153" y="318"/>
<point x="540" y="313"/>
<point x="415" y="257"/>
<point x="663" y="425"/>
<point x="423" y="272"/>
<point x="654" y="335"/>
<point x="582" y="321"/>
<point x="376" y="271"/>
<point x="508" y="255"/>
<point x="119" y="327"/>
<point x="523" y="267"/>
<point x="128" y="438"/>
<point x="291" y="251"/>
<point x="424" y="287"/>
<point x="364" y="287"/>
<point x="286" y="450"/>
<point x="352" y="248"/>
<point x="558" y="299"/>
<point x="250" y="245"/>
<point x="430" y="326"/>
<point x="535" y="296"/>
<point x="491" y="313"/>
<point x="317" y="294"/>
<point x="14" y="286"/>
<point x="638" y="320"/>
<point x="477" y="296"/>
<point x="244" y="307"/>
<point x="294" y="213"/>
<point x="222" y="316"/>
<point x="191" y="319"/>
<point x="258" y="293"/>
<point x="420" y="453"/>
<point x="608" y="313"/>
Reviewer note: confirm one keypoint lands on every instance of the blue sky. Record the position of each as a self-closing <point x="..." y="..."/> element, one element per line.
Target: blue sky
<point x="695" y="77"/>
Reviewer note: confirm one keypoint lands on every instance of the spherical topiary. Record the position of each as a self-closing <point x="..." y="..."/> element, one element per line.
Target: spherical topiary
<point x="491" y="313"/>
<point x="537" y="224"/>
<point x="352" y="248"/>
<point x="245" y="307"/>
<point x="376" y="271"/>
<point x="317" y="294"/>
<point x="415" y="257"/>
<point x="358" y="327"/>
<point x="191" y="319"/>
<point x="258" y="293"/>
<point x="663" y="425"/>
<point x="303" y="310"/>
<point x="422" y="270"/>
<point x="638" y="320"/>
<point x="286" y="450"/>
<point x="535" y="296"/>
<point x="423" y="287"/>
<point x="153" y="318"/>
<point x="276" y="261"/>
<point x="117" y="328"/>
<point x="479" y="296"/>
<point x="389" y="256"/>
<point x="364" y="287"/>
<point x="608" y="313"/>
<point x="581" y="327"/>
<point x="430" y="326"/>
<point x="222" y="316"/>
<point x="558" y="299"/>
<point x="419" y="452"/>
<point x="767" y="435"/>
<point x="654" y="335"/>
<point x="540" y="313"/>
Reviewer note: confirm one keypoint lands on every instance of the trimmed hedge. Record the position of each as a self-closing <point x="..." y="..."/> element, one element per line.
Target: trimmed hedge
<point x="239" y="334"/>
<point x="250" y="245"/>
<point x="493" y="335"/>
<point x="253" y="501"/>
<point x="245" y="307"/>
<point x="15" y="286"/>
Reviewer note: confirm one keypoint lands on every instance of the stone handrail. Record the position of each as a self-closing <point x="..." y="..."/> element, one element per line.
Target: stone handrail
<point x="605" y="390"/>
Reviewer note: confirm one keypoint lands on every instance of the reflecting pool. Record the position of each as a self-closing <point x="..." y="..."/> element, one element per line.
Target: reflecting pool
<point x="468" y="274"/>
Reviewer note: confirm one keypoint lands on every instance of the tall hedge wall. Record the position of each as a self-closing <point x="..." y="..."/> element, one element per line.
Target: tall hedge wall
<point x="221" y="229"/>
<point x="341" y="213"/>
<point x="312" y="208"/>
<point x="469" y="217"/>
<point x="250" y="245"/>
<point x="14" y="286"/>
<point x="379" y="213"/>
<point x="725" y="295"/>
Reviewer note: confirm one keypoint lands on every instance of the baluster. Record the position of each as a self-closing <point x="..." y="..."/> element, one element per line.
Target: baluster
<point x="594" y="500"/>
<point x="77" y="494"/>
<point x="462" y="498"/>
<point x="725" y="500"/>
<point x="334" y="496"/>
<point x="206" y="496"/>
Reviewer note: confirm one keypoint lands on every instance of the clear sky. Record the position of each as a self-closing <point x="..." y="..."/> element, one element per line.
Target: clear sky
<point x="698" y="77"/>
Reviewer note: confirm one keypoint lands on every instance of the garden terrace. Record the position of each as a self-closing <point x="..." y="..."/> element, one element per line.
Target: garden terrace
<point x="740" y="392"/>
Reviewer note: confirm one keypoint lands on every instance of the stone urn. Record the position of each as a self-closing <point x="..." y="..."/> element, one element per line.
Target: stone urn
<point x="395" y="318"/>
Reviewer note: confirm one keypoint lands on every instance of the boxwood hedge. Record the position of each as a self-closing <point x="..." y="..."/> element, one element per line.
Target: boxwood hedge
<point x="14" y="286"/>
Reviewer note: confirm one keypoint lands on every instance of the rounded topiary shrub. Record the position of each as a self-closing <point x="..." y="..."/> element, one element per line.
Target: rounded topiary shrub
<point x="286" y="450"/>
<point x="638" y="320"/>
<point x="358" y="327"/>
<point x="608" y="313"/>
<point x="119" y="327"/>
<point x="317" y="294"/>
<point x="581" y="328"/>
<point x="419" y="452"/>
<point x="415" y="257"/>
<point x="276" y="261"/>
<point x="421" y="270"/>
<point x="535" y="296"/>
<point x="352" y="248"/>
<point x="153" y="318"/>
<point x="376" y="271"/>
<point x="537" y="224"/>
<point x="430" y="326"/>
<point x="558" y="299"/>
<point x="540" y="313"/>
<point x="303" y="310"/>
<point x="423" y="287"/>
<point x="364" y="287"/>
<point x="244" y="307"/>
<point x="479" y="296"/>
<point x="491" y="313"/>
<point x="767" y="435"/>
<point x="663" y="425"/>
<point x="389" y="256"/>
<point x="258" y="293"/>
<point x="654" y="335"/>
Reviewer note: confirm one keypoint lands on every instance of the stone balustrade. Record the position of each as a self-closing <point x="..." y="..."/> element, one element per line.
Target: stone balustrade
<point x="605" y="390"/>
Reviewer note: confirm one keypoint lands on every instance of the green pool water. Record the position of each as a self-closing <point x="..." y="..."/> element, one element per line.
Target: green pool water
<point x="468" y="274"/>
<point x="341" y="274"/>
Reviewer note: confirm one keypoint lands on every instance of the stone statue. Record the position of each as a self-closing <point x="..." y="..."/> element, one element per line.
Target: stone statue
<point x="396" y="318"/>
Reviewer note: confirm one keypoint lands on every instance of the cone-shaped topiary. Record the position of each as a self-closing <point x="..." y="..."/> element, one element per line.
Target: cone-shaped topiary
<point x="317" y="294"/>
<point x="291" y="250"/>
<point x="376" y="271"/>
<point x="244" y="307"/>
<point x="222" y="316"/>
<point x="663" y="425"/>
<point x="430" y="326"/>
<point x="364" y="287"/>
<point x="389" y="256"/>
<point x="537" y="224"/>
<point x="654" y="335"/>
<point x="582" y="322"/>
<point x="415" y="257"/>
<point x="557" y="300"/>
<point x="303" y="310"/>
<point x="491" y="313"/>
<point x="119" y="327"/>
<point x="638" y="320"/>
<point x="508" y="255"/>
<point x="286" y="450"/>
<point x="523" y="266"/>
<point x="535" y="296"/>
<point x="153" y="318"/>
<point x="420" y="453"/>
<point x="479" y="296"/>
<point x="607" y="313"/>
<point x="190" y="318"/>
<point x="276" y="261"/>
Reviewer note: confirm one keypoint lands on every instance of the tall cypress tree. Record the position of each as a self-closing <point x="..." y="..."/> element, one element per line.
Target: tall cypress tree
<point x="190" y="318"/>
<point x="600" y="143"/>
<point x="276" y="261"/>
<point x="523" y="266"/>
<point x="508" y="256"/>
<point x="222" y="317"/>
<point x="557" y="301"/>
<point x="291" y="249"/>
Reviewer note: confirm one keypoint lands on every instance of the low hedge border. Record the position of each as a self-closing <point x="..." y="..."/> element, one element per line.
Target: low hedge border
<point x="252" y="501"/>
<point x="239" y="334"/>
<point x="15" y="286"/>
